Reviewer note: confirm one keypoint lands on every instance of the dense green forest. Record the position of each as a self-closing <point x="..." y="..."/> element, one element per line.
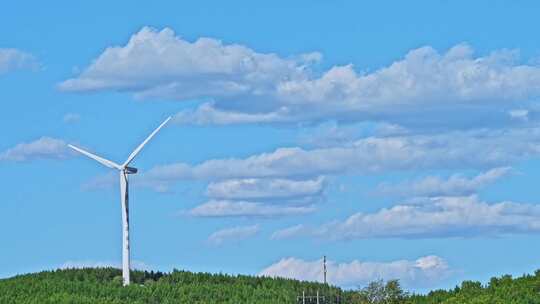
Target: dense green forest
<point x="104" y="285"/>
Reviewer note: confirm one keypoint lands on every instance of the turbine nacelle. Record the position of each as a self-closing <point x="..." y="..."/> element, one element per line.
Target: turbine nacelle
<point x="130" y="170"/>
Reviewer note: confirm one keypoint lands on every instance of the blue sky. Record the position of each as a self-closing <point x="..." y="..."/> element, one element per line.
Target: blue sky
<point x="399" y="139"/>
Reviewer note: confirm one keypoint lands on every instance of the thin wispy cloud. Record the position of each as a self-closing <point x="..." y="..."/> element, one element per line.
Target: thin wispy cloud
<point x="233" y="235"/>
<point x="42" y="148"/>
<point x="13" y="59"/>
<point x="476" y="150"/>
<point x="218" y="209"/>
<point x="439" y="217"/>
<point x="257" y="189"/>
<point x="70" y="118"/>
<point x="455" y="185"/>
<point x="291" y="232"/>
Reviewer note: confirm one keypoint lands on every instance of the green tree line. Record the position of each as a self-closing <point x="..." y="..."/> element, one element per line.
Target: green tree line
<point x="104" y="285"/>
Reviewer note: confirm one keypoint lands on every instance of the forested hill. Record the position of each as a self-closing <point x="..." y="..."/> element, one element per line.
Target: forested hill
<point x="502" y="290"/>
<point x="104" y="285"/>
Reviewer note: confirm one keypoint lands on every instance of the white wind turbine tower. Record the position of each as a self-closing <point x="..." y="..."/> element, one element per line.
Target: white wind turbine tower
<point x="124" y="170"/>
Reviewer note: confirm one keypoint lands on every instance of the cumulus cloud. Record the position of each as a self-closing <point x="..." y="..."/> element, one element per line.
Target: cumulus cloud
<point x="423" y="88"/>
<point x="455" y="185"/>
<point x="216" y="208"/>
<point x="424" y="272"/>
<point x="265" y="189"/>
<point x="158" y="63"/>
<point x="234" y="234"/>
<point x="429" y="218"/>
<point x="43" y="148"/>
<point x="13" y="59"/>
<point x="245" y="86"/>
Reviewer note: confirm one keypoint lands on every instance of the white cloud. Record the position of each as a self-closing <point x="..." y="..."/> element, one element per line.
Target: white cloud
<point x="424" y="272"/>
<point x="519" y="114"/>
<point x="234" y="234"/>
<point x="216" y="208"/>
<point x="239" y="197"/>
<point x="261" y="189"/>
<point x="331" y="134"/>
<point x="43" y="148"/>
<point x="71" y="118"/>
<point x="429" y="218"/>
<point x="455" y="185"/>
<point x="207" y="114"/>
<point x="13" y="59"/>
<point x="455" y="150"/>
<point x="245" y="86"/>
<point x="290" y="232"/>
<point x="158" y="63"/>
<point x="288" y="202"/>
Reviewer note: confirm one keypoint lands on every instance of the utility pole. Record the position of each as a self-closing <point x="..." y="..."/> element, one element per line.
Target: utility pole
<point x="324" y="268"/>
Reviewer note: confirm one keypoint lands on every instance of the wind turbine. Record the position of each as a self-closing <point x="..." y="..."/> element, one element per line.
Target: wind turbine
<point x="124" y="170"/>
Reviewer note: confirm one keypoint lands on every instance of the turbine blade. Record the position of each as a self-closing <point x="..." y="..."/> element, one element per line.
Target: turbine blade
<point x="136" y="151"/>
<point x="101" y="160"/>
